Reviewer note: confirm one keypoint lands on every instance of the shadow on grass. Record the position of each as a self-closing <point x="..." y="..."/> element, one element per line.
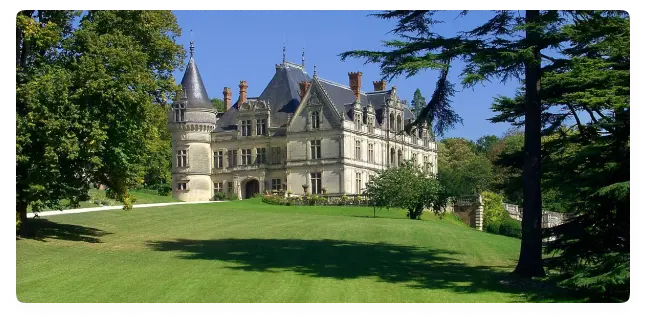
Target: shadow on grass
<point x="415" y="267"/>
<point x="42" y="229"/>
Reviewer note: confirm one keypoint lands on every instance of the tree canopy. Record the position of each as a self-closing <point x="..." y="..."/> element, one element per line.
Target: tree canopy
<point x="89" y="101"/>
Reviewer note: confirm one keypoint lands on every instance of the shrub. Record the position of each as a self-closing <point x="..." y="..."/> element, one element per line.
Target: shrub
<point x="510" y="227"/>
<point x="220" y="196"/>
<point x="493" y="227"/>
<point x="493" y="208"/>
<point x="97" y="202"/>
<point x="106" y="202"/>
<point x="164" y="189"/>
<point x="273" y="199"/>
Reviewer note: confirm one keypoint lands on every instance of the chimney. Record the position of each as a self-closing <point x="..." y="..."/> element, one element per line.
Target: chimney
<point x="355" y="83"/>
<point x="304" y="87"/>
<point x="379" y="85"/>
<point x="227" y="98"/>
<point x="243" y="93"/>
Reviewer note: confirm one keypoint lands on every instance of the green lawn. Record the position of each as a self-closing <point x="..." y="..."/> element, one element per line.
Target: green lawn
<point x="143" y="197"/>
<point x="248" y="251"/>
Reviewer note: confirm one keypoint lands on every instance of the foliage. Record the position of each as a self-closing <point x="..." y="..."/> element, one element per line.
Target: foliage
<point x="460" y="170"/>
<point x="510" y="227"/>
<point x="218" y="104"/>
<point x="89" y="98"/>
<point x="494" y="211"/>
<point x="485" y="145"/>
<point x="407" y="187"/>
<point x="224" y="196"/>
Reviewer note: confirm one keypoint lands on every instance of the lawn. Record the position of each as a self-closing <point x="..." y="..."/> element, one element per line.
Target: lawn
<point x="142" y="196"/>
<point x="248" y="251"/>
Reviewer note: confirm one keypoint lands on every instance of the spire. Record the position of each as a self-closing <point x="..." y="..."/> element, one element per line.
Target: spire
<point x="192" y="85"/>
<point x="314" y="71"/>
<point x="303" y="58"/>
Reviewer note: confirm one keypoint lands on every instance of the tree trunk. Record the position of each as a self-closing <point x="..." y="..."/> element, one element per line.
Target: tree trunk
<point x="530" y="262"/>
<point x="21" y="211"/>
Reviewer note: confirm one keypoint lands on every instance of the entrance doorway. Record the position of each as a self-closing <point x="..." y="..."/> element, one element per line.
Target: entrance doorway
<point x="251" y="188"/>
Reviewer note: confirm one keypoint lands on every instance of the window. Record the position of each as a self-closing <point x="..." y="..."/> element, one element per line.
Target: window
<point x="316" y="183"/>
<point x="217" y="187"/>
<point x="357" y="121"/>
<point x="181" y="186"/>
<point x="217" y="159"/>
<point x="260" y="156"/>
<point x="261" y="127"/>
<point x="399" y="123"/>
<point x="316" y="120"/>
<point x="246" y="128"/>
<point x="316" y="149"/>
<point x="420" y="131"/>
<point x="232" y="158"/>
<point x="391" y="121"/>
<point x="371" y="153"/>
<point x="415" y="159"/>
<point x="275" y="155"/>
<point x="371" y="127"/>
<point x="182" y="158"/>
<point x="357" y="150"/>
<point x="230" y="187"/>
<point x="276" y="184"/>
<point x="426" y="163"/>
<point x="246" y="157"/>
<point x="358" y="182"/>
<point x="426" y="141"/>
<point x="179" y="115"/>
<point x="392" y="157"/>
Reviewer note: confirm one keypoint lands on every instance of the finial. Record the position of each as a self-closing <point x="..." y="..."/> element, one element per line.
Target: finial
<point x="303" y="58"/>
<point x="283" y="53"/>
<point x="192" y="47"/>
<point x="315" y="70"/>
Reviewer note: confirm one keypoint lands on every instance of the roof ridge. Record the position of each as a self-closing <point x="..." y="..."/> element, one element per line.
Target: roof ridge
<point x="339" y="85"/>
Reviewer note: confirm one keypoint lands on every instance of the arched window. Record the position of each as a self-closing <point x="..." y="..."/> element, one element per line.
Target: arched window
<point x="391" y="125"/>
<point x="399" y="123"/>
<point x="392" y="157"/>
<point x="399" y="158"/>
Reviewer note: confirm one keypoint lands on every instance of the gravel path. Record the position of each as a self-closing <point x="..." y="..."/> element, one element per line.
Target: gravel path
<point x="115" y="207"/>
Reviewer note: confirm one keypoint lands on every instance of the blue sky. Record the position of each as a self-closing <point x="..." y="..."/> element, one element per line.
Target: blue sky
<point x="245" y="45"/>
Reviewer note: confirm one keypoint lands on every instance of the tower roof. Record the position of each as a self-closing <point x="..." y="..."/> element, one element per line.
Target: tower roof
<point x="194" y="90"/>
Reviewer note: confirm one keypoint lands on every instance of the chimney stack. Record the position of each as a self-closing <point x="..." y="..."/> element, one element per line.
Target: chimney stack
<point x="355" y="83"/>
<point x="379" y="85"/>
<point x="243" y="93"/>
<point x="227" y="98"/>
<point x="304" y="85"/>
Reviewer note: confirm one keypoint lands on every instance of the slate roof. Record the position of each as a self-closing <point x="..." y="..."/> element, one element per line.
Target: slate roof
<point x="193" y="86"/>
<point x="282" y="95"/>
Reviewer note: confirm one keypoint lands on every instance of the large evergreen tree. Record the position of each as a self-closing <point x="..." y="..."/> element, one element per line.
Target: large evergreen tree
<point x="509" y="45"/>
<point x="89" y="100"/>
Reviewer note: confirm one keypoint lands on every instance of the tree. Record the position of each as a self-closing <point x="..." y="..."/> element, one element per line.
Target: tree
<point x="587" y="160"/>
<point x="218" y="104"/>
<point x="508" y="46"/>
<point x="485" y="145"/>
<point x="406" y="187"/>
<point x="460" y="170"/>
<point x="419" y="102"/>
<point x="89" y="99"/>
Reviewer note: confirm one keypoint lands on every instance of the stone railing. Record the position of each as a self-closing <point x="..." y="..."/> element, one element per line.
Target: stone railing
<point x="471" y="210"/>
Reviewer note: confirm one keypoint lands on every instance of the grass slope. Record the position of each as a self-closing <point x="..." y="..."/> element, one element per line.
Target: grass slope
<point x="247" y="251"/>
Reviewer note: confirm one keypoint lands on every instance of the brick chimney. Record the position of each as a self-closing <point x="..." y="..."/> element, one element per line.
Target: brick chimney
<point x="227" y="98"/>
<point x="243" y="93"/>
<point x="379" y="85"/>
<point x="355" y="83"/>
<point x="304" y="87"/>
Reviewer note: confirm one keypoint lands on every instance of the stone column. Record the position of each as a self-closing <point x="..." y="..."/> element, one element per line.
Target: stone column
<point x="479" y="218"/>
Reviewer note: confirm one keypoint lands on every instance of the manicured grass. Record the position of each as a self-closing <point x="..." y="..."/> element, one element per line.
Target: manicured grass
<point x="248" y="251"/>
<point x="143" y="197"/>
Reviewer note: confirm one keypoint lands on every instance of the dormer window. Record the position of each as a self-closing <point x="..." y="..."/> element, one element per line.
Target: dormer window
<point x="371" y="127"/>
<point x="316" y="120"/>
<point x="357" y="120"/>
<point x="246" y="128"/>
<point x="261" y="127"/>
